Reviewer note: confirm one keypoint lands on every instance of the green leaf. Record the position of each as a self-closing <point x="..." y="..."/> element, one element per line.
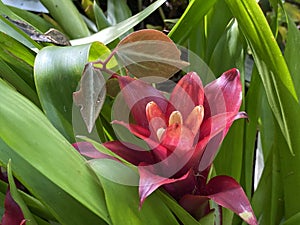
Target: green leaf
<point x="57" y="73"/>
<point x="292" y="52"/>
<point x="217" y="23"/>
<point x="208" y="219"/>
<point x="10" y="29"/>
<point x="294" y="220"/>
<point x="101" y="19"/>
<point x="268" y="199"/>
<point x="253" y="104"/>
<point x="271" y="66"/>
<point x="34" y="205"/>
<point x="67" y="15"/>
<point x="14" y="79"/>
<point x="117" y="11"/>
<point x="62" y="181"/>
<point x="17" y="198"/>
<point x="123" y="201"/>
<point x="180" y="213"/>
<point x="109" y="34"/>
<point x="193" y="14"/>
<point x="65" y="209"/>
<point x="33" y="19"/>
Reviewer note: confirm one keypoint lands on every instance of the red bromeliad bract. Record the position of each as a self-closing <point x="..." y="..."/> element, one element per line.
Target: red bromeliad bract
<point x="184" y="133"/>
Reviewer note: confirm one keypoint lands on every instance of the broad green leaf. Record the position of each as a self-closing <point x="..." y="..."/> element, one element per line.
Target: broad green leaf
<point x="109" y="34"/>
<point x="38" y="150"/>
<point x="68" y="17"/>
<point x="123" y="201"/>
<point x="63" y="207"/>
<point x="271" y="66"/>
<point x="17" y="198"/>
<point x="193" y="14"/>
<point x="57" y="73"/>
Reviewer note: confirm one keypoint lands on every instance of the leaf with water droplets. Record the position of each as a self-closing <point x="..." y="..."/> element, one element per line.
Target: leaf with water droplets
<point x="91" y="95"/>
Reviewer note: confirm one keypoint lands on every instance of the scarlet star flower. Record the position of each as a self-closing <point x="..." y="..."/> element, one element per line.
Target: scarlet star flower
<point x="184" y="133"/>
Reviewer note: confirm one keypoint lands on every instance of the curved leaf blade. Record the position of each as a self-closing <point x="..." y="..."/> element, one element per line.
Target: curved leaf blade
<point x="109" y="34"/>
<point x="271" y="65"/>
<point x="40" y="151"/>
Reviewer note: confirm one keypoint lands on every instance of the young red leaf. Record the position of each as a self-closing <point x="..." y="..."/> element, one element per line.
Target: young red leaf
<point x="148" y="52"/>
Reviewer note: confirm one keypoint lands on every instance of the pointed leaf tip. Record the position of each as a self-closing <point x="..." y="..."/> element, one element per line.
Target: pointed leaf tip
<point x="226" y="192"/>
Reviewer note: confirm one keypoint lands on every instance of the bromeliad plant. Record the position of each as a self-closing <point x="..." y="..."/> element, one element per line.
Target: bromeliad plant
<point x="166" y="148"/>
<point x="183" y="132"/>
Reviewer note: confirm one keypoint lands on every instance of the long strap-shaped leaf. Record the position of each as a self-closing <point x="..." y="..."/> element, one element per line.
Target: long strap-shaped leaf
<point x="193" y="14"/>
<point x="271" y="65"/>
<point x="109" y="34"/>
<point x="46" y="163"/>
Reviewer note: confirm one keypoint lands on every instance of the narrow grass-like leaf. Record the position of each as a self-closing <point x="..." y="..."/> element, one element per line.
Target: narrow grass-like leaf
<point x="193" y="14"/>
<point x="291" y="53"/>
<point x="216" y="23"/>
<point x="13" y="78"/>
<point x="109" y="34"/>
<point x="253" y="103"/>
<point x="100" y="17"/>
<point x="10" y="29"/>
<point x="33" y="19"/>
<point x="117" y="11"/>
<point x="67" y="15"/>
<point x="271" y="66"/>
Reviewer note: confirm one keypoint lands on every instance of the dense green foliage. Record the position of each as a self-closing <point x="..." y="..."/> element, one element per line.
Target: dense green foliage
<point x="37" y="81"/>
